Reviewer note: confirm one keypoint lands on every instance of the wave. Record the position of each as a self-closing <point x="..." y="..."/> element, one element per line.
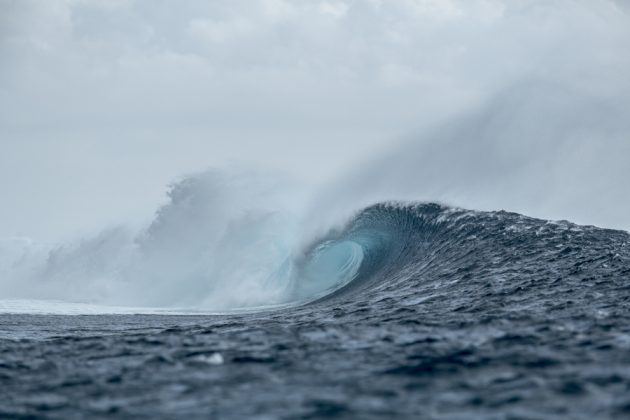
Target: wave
<point x="231" y="239"/>
<point x="420" y="250"/>
<point x="216" y="248"/>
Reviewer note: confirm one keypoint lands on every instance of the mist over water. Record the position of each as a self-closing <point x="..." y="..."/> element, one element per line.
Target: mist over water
<point x="215" y="245"/>
<point x="229" y="238"/>
<point x="537" y="123"/>
<point x="540" y="148"/>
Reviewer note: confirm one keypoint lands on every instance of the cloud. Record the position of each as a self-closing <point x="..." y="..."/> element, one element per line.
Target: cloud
<point x="94" y="92"/>
<point x="220" y="32"/>
<point x="336" y="10"/>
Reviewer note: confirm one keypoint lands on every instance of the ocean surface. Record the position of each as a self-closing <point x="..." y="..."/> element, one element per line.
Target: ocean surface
<point x="425" y="311"/>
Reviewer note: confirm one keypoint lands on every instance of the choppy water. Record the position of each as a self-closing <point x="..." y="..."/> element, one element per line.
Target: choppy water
<point x="431" y="312"/>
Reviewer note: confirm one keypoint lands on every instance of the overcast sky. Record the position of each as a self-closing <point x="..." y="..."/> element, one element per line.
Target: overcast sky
<point x="103" y="103"/>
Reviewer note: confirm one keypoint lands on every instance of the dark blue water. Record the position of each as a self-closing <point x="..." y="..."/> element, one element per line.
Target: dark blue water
<point x="445" y="313"/>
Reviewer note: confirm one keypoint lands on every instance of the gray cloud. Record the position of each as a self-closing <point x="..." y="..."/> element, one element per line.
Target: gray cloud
<point x="102" y="103"/>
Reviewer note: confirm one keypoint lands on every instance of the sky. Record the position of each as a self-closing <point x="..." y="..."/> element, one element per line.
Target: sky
<point x="103" y="104"/>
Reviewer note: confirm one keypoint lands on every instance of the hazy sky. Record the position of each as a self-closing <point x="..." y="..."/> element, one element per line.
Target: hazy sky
<point x="105" y="102"/>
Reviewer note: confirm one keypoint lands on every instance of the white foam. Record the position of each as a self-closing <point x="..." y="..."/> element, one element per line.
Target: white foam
<point x="55" y="307"/>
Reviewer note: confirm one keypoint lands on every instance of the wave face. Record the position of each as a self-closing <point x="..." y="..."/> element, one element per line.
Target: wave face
<point x="429" y="251"/>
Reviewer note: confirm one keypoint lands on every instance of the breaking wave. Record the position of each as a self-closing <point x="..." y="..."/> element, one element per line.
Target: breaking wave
<point x="233" y="240"/>
<point x="223" y="254"/>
